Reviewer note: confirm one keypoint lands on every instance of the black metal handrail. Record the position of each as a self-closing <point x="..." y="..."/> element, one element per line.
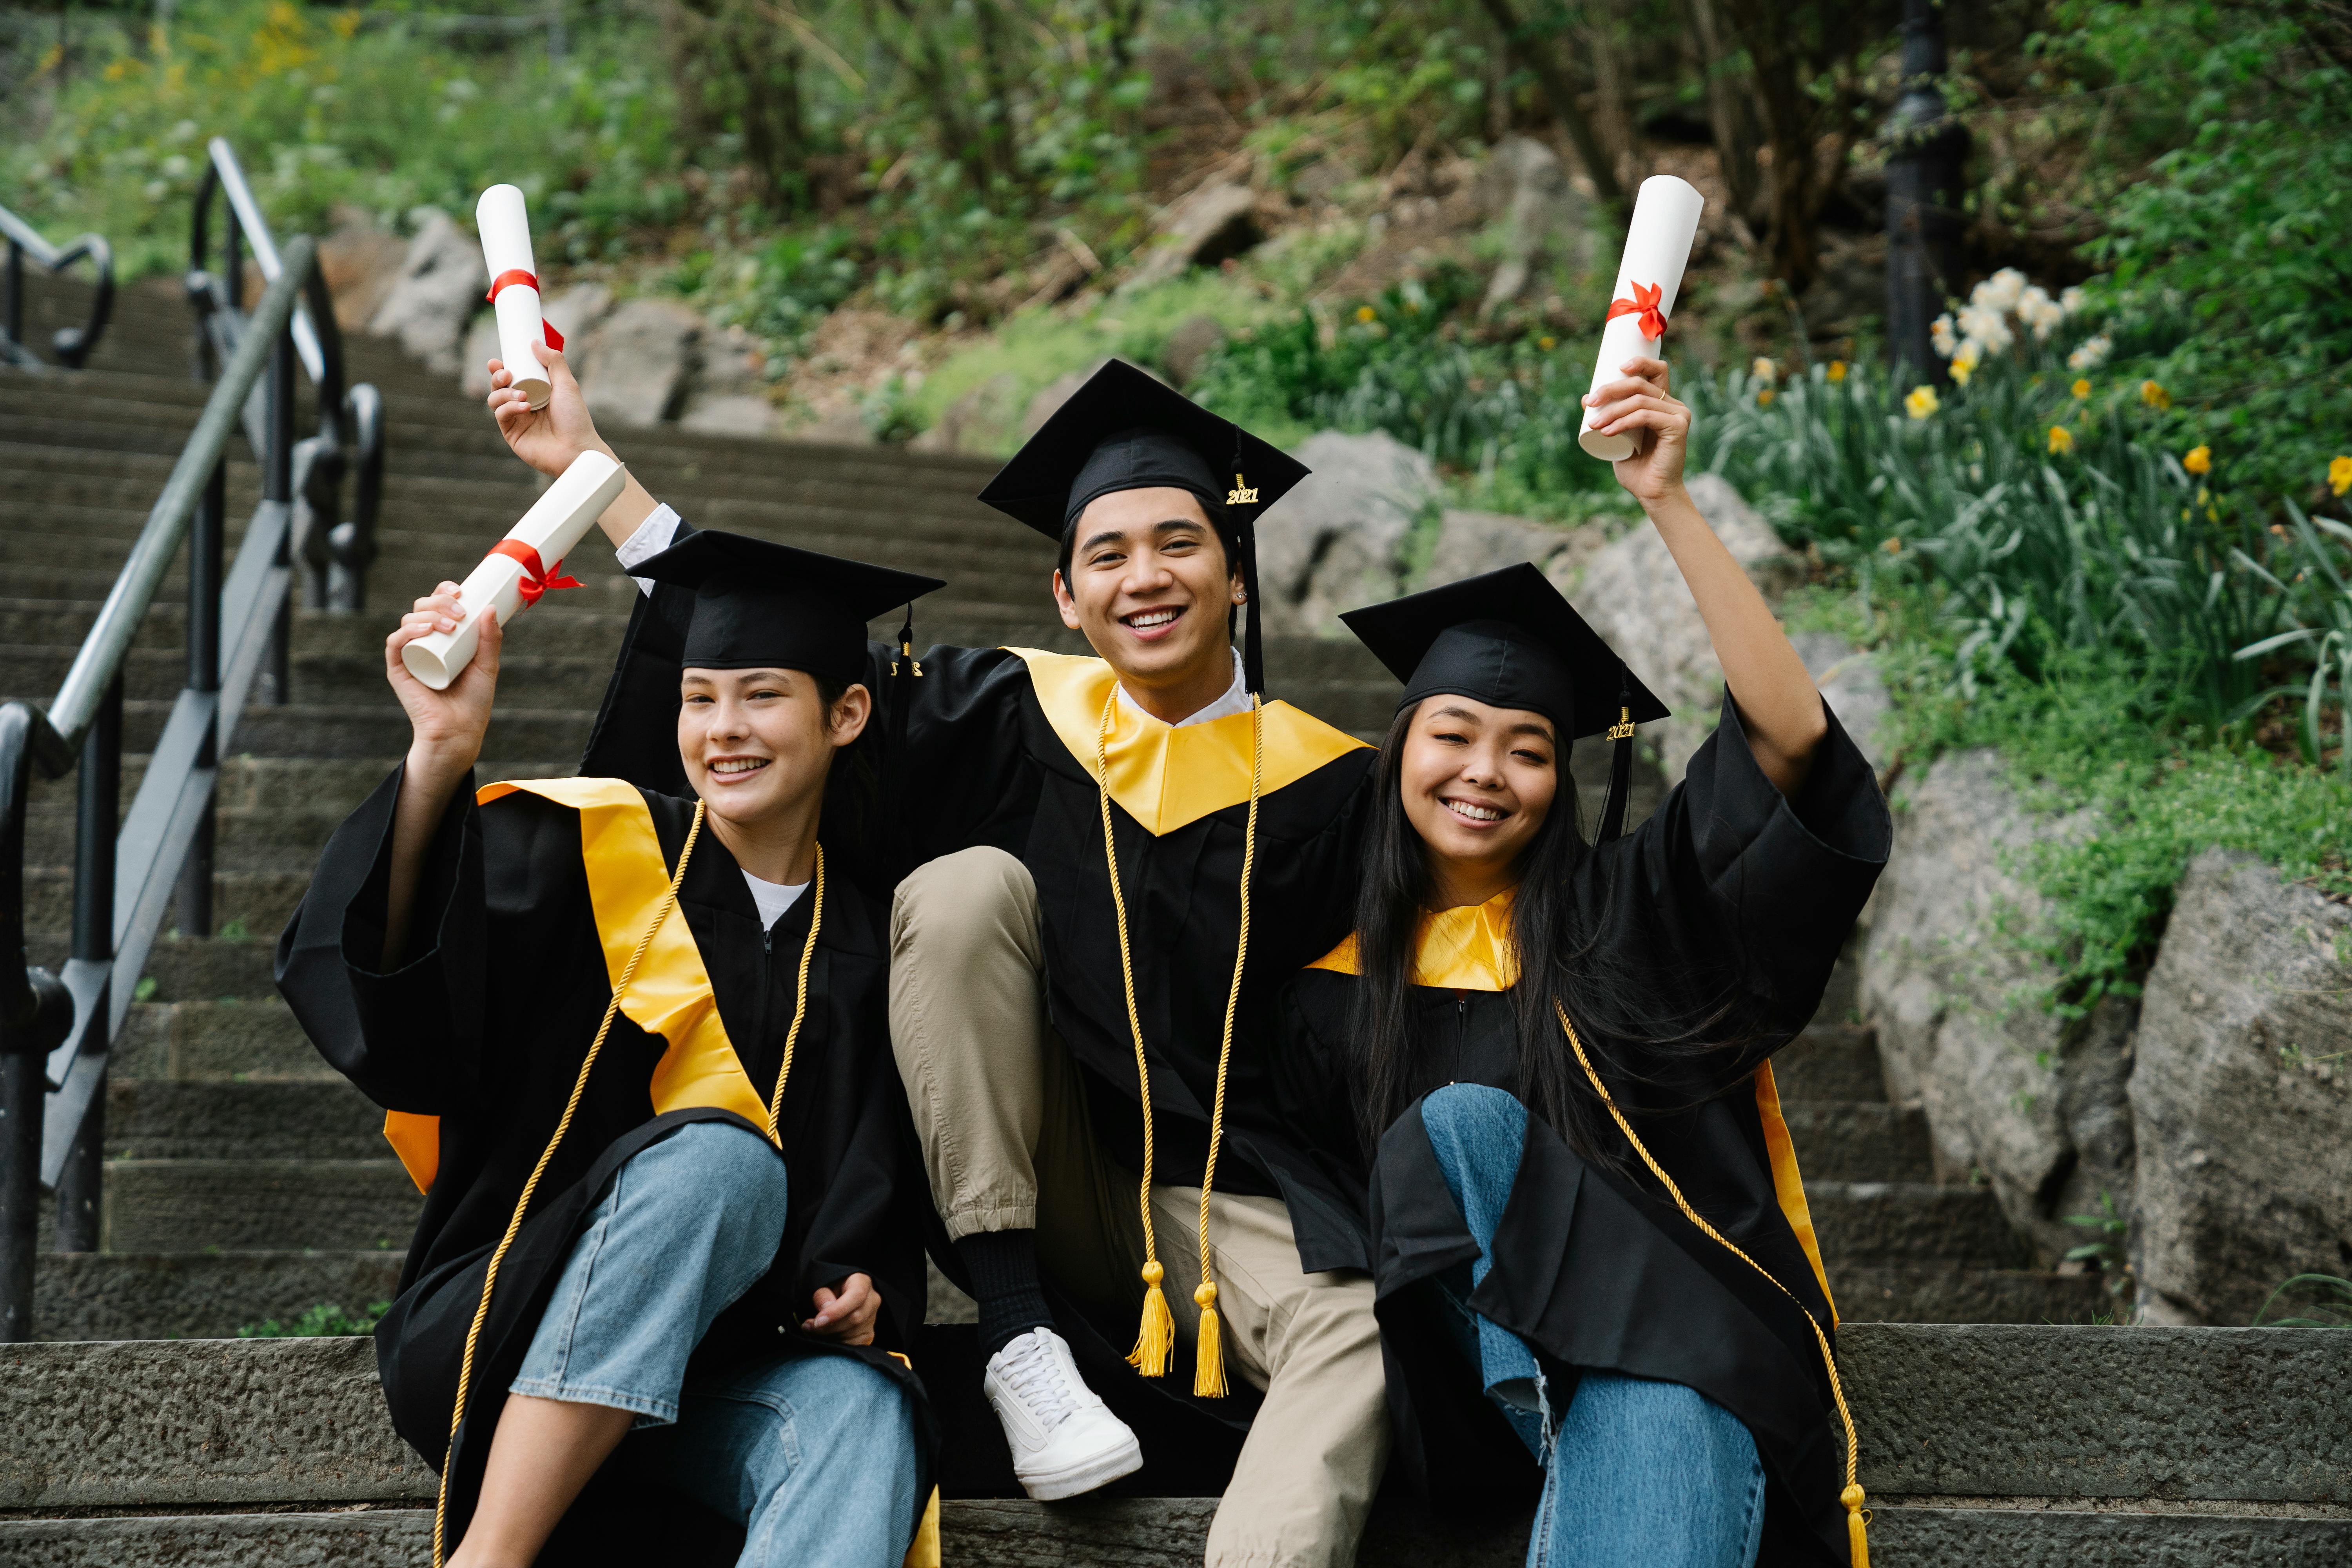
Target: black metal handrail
<point x="72" y="345"/>
<point x="55" y="1030"/>
<point x="335" y="554"/>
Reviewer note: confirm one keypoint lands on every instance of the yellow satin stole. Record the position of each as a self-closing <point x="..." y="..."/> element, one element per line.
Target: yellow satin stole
<point x="1164" y="776"/>
<point x="670" y="995"/>
<point x="1469" y="948"/>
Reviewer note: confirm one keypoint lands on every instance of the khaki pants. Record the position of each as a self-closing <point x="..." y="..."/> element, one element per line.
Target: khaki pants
<point x="1002" y="1118"/>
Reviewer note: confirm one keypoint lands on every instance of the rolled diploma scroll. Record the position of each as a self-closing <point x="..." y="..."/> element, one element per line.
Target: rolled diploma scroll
<point x="1658" y="248"/>
<point x="506" y="248"/>
<point x="556" y="521"/>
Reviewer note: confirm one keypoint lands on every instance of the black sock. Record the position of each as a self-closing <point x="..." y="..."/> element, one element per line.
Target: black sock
<point x="1003" y="1268"/>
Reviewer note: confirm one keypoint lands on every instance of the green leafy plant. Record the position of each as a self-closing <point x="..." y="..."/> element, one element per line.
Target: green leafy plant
<point x="2107" y="1250"/>
<point x="2322" y="599"/>
<point x="324" y="1320"/>
<point x="2311" y="1302"/>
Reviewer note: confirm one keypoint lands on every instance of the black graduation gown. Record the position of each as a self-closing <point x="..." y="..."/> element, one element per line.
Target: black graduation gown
<point x="973" y="756"/>
<point x="485" y="1026"/>
<point x="1731" y="888"/>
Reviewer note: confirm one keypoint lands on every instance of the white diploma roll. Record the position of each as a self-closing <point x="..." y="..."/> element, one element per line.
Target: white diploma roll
<point x="1658" y="248"/>
<point x="558" y="520"/>
<point x="504" y="228"/>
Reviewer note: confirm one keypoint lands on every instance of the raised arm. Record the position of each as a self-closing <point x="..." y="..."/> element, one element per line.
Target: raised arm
<point x="1777" y="698"/>
<point x="446" y="731"/>
<point x="550" y="438"/>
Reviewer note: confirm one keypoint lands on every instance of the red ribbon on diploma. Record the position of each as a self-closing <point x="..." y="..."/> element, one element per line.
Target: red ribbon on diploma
<point x="1645" y="304"/>
<point x="507" y="280"/>
<point x="536" y="579"/>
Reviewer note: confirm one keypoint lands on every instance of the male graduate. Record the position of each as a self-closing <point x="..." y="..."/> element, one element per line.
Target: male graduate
<point x="633" y="1048"/>
<point x="1083" y="1034"/>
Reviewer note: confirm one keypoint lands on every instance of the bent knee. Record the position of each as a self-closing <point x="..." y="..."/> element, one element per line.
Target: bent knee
<point x="722" y="1163"/>
<point x="959" y="902"/>
<point x="1472" y="1111"/>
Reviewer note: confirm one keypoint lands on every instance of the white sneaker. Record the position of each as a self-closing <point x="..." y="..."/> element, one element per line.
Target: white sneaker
<point x="1064" y="1440"/>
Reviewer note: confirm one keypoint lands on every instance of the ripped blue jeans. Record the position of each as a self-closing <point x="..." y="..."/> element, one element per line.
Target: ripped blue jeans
<point x="1635" y="1471"/>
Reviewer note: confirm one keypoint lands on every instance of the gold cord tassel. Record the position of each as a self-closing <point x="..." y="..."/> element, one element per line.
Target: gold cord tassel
<point x="1857" y="1518"/>
<point x="523" y="1204"/>
<point x="800" y="1004"/>
<point x="1209" y="1354"/>
<point x="1156" y="1331"/>
<point x="1155" y="1334"/>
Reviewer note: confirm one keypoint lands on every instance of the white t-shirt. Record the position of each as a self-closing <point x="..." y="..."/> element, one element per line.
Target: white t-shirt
<point x="654" y="536"/>
<point x="773" y="897"/>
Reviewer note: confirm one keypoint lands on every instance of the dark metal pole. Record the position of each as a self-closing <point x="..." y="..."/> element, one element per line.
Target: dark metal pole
<point x="15" y="322"/>
<point x="277" y="485"/>
<point x="1926" y="154"/>
<point x="231" y="257"/>
<point x="205" y="550"/>
<point x="35" y="1014"/>
<point x="82" y="1185"/>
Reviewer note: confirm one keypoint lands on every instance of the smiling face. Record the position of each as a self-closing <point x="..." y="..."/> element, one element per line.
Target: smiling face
<point x="1478" y="783"/>
<point x="758" y="743"/>
<point x="1149" y="587"/>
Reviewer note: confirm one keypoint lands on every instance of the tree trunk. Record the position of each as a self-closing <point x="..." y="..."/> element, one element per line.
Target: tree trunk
<point x="1765" y="30"/>
<point x="1612" y="78"/>
<point x="1560" y="94"/>
<point x="1730" y="110"/>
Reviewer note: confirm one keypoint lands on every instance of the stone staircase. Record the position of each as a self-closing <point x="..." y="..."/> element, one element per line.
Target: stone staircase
<point x="246" y="1183"/>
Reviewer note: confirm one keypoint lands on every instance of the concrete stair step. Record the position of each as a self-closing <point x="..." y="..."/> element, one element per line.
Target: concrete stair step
<point x="1979" y="1446"/>
<point x="247" y="1040"/>
<point x="200" y="1295"/>
<point x="243" y="1206"/>
<point x="1856" y="1140"/>
<point x="226" y="1120"/>
<point x="1885" y="1223"/>
<point x="184" y="968"/>
<point x="1939" y="1292"/>
<point x="1830" y="1061"/>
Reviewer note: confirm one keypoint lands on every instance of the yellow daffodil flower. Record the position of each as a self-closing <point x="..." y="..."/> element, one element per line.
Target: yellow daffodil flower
<point x="2154" y="396"/>
<point x="1921" y="402"/>
<point x="1764" y="397"/>
<point x="2062" y="440"/>
<point x="2081" y="390"/>
<point x="1547" y="344"/>
<point x="2339" y="475"/>
<point x="1893" y="547"/>
<point x="1837" y="370"/>
<point x="1764" y="370"/>
<point x="1366" y="314"/>
<point x="2199" y="460"/>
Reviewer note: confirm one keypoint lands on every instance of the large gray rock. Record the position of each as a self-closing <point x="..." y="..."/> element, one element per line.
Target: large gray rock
<point x="440" y="287"/>
<point x="1634" y="595"/>
<point x="1337" y="541"/>
<point x="2241" y="1094"/>
<point x="1543" y="219"/>
<point x="2034" y="1104"/>
<point x="1196" y="337"/>
<point x="1214" y="222"/>
<point x="1471" y="542"/>
<point x="1849" y="683"/>
<point x="362" y="261"/>
<point x="634" y="366"/>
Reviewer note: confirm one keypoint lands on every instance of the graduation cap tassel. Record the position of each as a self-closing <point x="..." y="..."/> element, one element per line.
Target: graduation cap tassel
<point x="903" y="671"/>
<point x="1621" y="765"/>
<point x="1242" y="495"/>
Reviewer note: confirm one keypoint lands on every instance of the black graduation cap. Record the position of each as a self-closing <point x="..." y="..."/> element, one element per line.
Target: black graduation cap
<point x="1124" y="431"/>
<point x="1509" y="639"/>
<point x="758" y="604"/>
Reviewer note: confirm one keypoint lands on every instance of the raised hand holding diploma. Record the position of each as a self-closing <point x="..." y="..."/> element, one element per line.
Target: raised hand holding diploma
<point x="526" y="563"/>
<point x="505" y="229"/>
<point x="1649" y="278"/>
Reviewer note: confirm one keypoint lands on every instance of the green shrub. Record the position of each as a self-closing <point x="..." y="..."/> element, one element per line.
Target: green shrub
<point x="325" y="1320"/>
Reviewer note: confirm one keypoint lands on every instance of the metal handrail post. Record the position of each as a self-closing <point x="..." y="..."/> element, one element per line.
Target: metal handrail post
<point x="33" y="1021"/>
<point x="277" y="485"/>
<point x="206" y="533"/>
<point x="15" y="324"/>
<point x="82" y="1185"/>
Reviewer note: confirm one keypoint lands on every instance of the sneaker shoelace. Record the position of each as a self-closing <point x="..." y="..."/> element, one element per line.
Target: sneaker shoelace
<point x="1039" y="1379"/>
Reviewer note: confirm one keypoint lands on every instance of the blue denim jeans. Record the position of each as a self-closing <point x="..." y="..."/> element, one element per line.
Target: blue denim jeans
<point x="1635" y="1471"/>
<point x="813" y="1456"/>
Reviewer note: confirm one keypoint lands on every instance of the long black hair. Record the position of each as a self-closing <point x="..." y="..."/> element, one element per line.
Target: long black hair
<point x="1557" y="941"/>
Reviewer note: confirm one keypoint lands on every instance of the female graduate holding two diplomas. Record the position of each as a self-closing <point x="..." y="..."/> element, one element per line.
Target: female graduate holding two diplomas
<point x="1539" y="1071"/>
<point x="633" y="1047"/>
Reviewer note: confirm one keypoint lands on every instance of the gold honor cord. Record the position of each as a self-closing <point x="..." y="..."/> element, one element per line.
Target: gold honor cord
<point x="1156" y="1333"/>
<point x="523" y="1204"/>
<point x="800" y="1005"/>
<point x="1856" y="1518"/>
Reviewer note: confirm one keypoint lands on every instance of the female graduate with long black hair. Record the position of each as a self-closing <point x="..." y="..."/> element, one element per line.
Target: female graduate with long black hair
<point x="633" y="1049"/>
<point x="1539" y="1069"/>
